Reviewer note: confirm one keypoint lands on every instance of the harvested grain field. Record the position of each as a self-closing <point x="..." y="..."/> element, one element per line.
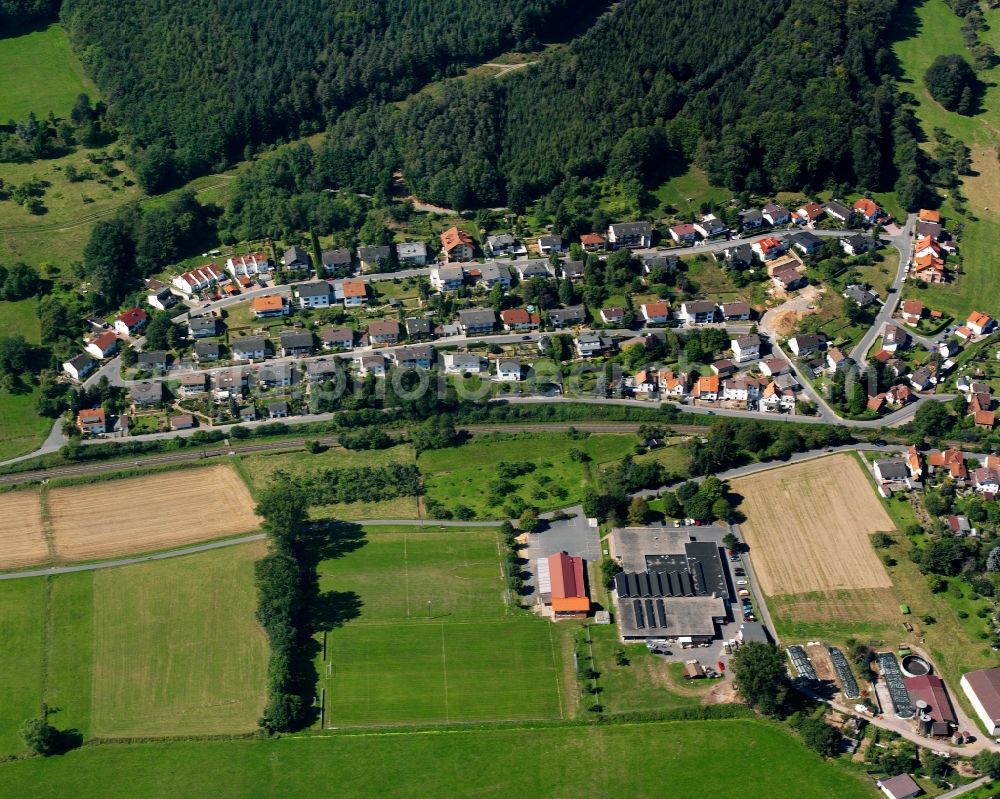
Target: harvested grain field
<point x="22" y="537"/>
<point x="144" y="514"/>
<point x="808" y="527"/>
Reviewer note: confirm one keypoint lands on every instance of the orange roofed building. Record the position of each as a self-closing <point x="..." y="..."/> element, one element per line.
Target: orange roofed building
<point x="568" y="590"/>
<point x="268" y="305"/>
<point x="457" y="245"/>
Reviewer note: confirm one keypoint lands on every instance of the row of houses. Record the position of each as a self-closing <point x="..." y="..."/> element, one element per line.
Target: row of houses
<point x="457" y="246"/>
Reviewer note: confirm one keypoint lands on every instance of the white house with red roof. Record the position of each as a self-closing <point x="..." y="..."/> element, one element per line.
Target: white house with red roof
<point x="131" y="321"/>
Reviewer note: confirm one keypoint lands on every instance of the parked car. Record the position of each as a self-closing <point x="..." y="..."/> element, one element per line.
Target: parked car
<point x="743" y="582"/>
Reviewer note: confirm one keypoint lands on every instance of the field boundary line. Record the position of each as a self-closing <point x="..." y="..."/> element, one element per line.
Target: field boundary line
<point x="558" y="675"/>
<point x="48" y="529"/>
<point x="406" y="576"/>
<point x="444" y="671"/>
<point x="47" y="625"/>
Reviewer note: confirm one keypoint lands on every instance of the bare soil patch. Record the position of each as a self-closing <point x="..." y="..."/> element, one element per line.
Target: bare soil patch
<point x="831" y="607"/>
<point x="144" y="514"/>
<point x="808" y="527"/>
<point x="22" y="536"/>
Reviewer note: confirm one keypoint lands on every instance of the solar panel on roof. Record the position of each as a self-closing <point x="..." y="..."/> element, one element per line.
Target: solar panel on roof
<point x="621" y="584"/>
<point x="661" y="613"/>
<point x="643" y="582"/>
<point x="632" y="589"/>
<point x="674" y="579"/>
<point x="650" y="613"/>
<point x="637" y="609"/>
<point x="687" y="584"/>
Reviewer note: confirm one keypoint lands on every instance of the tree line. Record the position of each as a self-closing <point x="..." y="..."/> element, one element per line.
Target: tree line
<point x="360" y="483"/>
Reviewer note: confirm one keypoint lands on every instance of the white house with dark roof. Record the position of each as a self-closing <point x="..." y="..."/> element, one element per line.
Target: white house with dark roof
<point x="634" y="235"/>
<point x="315" y="294"/>
<point x="746" y="348"/>
<point x="412" y="253"/>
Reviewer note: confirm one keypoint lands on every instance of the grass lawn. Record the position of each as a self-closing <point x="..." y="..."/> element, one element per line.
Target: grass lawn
<point x="926" y="30"/>
<point x="70" y="655"/>
<point x="39" y="72"/>
<point x="21" y="318"/>
<point x="683" y="760"/>
<point x="712" y="281"/>
<point x="672" y="456"/>
<point x="434" y="630"/>
<point x="692" y="185"/>
<point x="462" y="475"/>
<point x="22" y="613"/>
<point x="21" y="428"/>
<point x="177" y="650"/>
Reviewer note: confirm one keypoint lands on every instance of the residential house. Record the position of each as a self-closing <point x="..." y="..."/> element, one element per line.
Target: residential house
<point x="182" y="421"/>
<point x="277" y="409"/>
<point x="835" y="359"/>
<point x="207" y="351"/>
<point x="336" y="338"/>
<point x="855" y="244"/>
<point x="929" y="215"/>
<point x="192" y="384"/>
<point x="931" y="230"/>
<point x="416" y="356"/>
<point x="161" y="299"/>
<point x="92" y="422"/>
<point x="683" y="233"/>
<point x="376" y="258"/>
<point x="724" y="367"/>
<point x="741" y="389"/>
<point x="592" y="242"/>
<point x="519" y="319"/>
<point x="323" y="369"/>
<point x="746" y="348"/>
<point x="315" y="294"/>
<point x="612" y="316"/>
<point x="131" y="321"/>
<point x="706" y="388"/>
<point x="590" y="343"/>
<point x="772" y="367"/>
<point x="276" y="375"/>
<point x="336" y="262"/>
<point x="927" y="246"/>
<point x="929" y="269"/>
<point x="860" y="295"/>
<point x="788" y="278"/>
<point x="549" y="244"/>
<point x="202" y="326"/>
<point x="477" y="321"/>
<point x="697" y="312"/>
<point x="457" y="363"/>
<point x="837" y="211"/>
<point x="103" y="345"/>
<point x="869" y="210"/>
<point x="891" y="470"/>
<point x="417" y="327"/>
<point x="249" y="348"/>
<point x="385" y="331"/>
<point x="656" y="313"/>
<point x="447" y="278"/>
<point x="567" y="317"/>
<point x="806" y="242"/>
<point x="248" y="414"/>
<point x="249" y="265"/>
<point x="809" y="214"/>
<point x="986" y="480"/>
<point x="711" y="226"/>
<point x="296" y="259"/>
<point x="769" y="248"/>
<point x="738" y="257"/>
<point x="372" y="364"/>
<point x="498" y="244"/>
<point x="735" y="311"/>
<point x="295" y="342"/>
<point x="354" y="293"/>
<point x="146" y="392"/>
<point x="229" y="385"/>
<point x="645" y="382"/>
<point x="671" y="385"/>
<point x="962" y="333"/>
<point x="897" y="396"/>
<point x="634" y="235"/>
<point x="774" y="399"/>
<point x="529" y="269"/>
<point x="914" y="465"/>
<point x="806" y="344"/>
<point x="913" y="311"/>
<point x="411" y="253"/>
<point x="922" y="379"/>
<point x="573" y="270"/>
<point x="198" y="279"/>
<point x="787" y="381"/>
<point x="270" y="305"/>
<point x="776" y="214"/>
<point x="894" y="338"/>
<point x="979" y="323"/>
<point x="152" y="361"/>
<point x="508" y="370"/>
<point x="751" y="219"/>
<point x="491" y="274"/>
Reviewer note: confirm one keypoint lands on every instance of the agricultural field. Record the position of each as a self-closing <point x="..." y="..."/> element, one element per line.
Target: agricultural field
<point x="924" y="31"/>
<point x="179" y="507"/>
<point x="808" y="529"/>
<point x="21" y="530"/>
<point x="678" y="759"/>
<point x="176" y="648"/>
<point x="21" y="428"/>
<point x="462" y="475"/>
<point x="39" y="72"/>
<point x="431" y="630"/>
<point x="22" y="631"/>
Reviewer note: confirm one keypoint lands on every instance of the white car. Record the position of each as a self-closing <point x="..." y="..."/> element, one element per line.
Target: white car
<point x="742" y="582"/>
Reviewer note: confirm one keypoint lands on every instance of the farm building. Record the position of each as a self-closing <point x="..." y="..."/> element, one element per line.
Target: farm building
<point x="929" y="688"/>
<point x="983" y="689"/>
<point x="902" y="786"/>
<point x="562" y="586"/>
<point x="671" y="587"/>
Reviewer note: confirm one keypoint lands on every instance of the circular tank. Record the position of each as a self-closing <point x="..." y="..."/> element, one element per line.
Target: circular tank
<point x="915" y="666"/>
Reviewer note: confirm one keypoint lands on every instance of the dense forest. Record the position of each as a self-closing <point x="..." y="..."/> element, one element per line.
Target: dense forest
<point x="200" y="83"/>
<point x="20" y="13"/>
<point x="782" y="94"/>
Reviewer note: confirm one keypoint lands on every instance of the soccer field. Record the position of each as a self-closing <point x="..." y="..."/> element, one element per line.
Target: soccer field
<point x="434" y="639"/>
